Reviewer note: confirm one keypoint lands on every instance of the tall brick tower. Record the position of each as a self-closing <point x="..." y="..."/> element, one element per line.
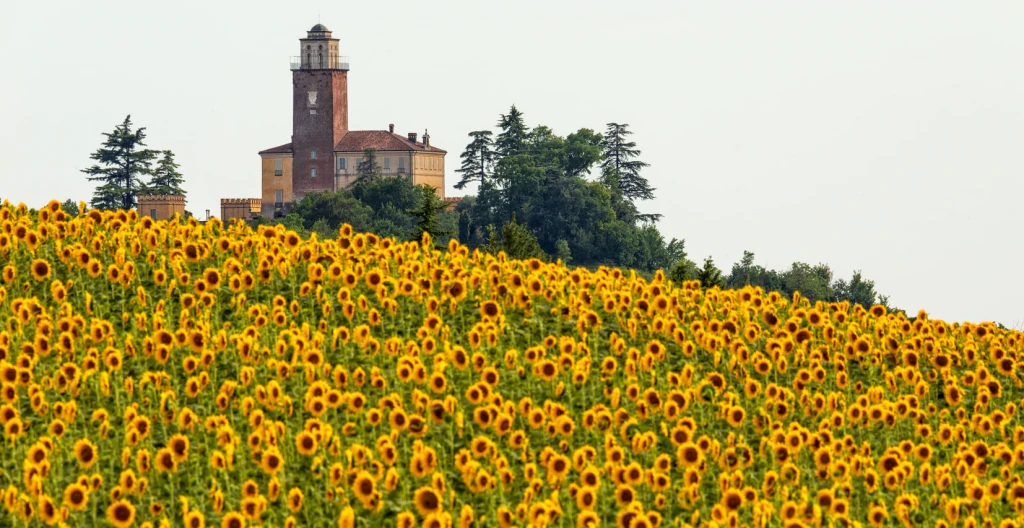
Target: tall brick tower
<point x="319" y="110"/>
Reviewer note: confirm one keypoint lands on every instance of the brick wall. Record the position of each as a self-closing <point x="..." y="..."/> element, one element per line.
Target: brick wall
<point x="318" y="132"/>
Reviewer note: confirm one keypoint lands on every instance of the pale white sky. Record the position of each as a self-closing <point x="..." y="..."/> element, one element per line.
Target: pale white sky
<point x="885" y="136"/>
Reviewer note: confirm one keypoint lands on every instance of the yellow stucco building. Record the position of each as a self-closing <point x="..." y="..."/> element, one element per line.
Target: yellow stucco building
<point x="161" y="206"/>
<point x="324" y="154"/>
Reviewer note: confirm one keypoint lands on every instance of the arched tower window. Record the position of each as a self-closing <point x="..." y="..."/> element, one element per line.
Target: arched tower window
<point x="320" y="56"/>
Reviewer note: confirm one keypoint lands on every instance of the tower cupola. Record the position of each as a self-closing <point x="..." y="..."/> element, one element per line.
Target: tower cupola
<point x="319" y="51"/>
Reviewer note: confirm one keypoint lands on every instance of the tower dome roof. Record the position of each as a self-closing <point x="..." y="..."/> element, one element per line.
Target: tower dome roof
<point x="319" y="27"/>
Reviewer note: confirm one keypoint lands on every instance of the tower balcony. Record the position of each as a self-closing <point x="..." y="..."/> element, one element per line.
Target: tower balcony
<point x="319" y="62"/>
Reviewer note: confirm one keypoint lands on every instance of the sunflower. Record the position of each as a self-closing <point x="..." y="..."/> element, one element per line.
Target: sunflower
<point x="85" y="452"/>
<point x="165" y="460"/>
<point x="232" y="520"/>
<point x="178" y="444"/>
<point x="295" y="497"/>
<point x="48" y="511"/>
<point x="40" y="269"/>
<point x="364" y="486"/>
<point x="427" y="501"/>
<point x="305" y="443"/>
<point x="271" y="461"/>
<point x="76" y="497"/>
<point x="490" y="310"/>
<point x="121" y="514"/>
<point x="586" y="498"/>
<point x="194" y="519"/>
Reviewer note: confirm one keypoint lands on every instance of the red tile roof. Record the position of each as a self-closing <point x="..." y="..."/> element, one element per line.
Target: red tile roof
<point x="360" y="140"/>
<point x="281" y="149"/>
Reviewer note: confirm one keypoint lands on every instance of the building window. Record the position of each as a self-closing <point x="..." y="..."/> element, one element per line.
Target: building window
<point x="387" y="163"/>
<point x="278" y="197"/>
<point x="312" y="154"/>
<point x="278" y="166"/>
<point x="341" y="164"/>
<point x="152" y="214"/>
<point x="401" y="164"/>
<point x="312" y="111"/>
<point x="312" y="172"/>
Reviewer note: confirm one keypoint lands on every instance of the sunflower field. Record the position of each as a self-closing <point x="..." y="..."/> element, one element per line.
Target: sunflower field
<point x="185" y="374"/>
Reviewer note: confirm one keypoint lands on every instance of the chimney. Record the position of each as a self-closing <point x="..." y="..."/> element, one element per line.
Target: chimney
<point x="426" y="139"/>
<point x="412" y="137"/>
<point x="391" y="128"/>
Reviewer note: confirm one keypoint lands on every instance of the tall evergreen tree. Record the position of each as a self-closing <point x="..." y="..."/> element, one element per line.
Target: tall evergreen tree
<point x="620" y="166"/>
<point x="428" y="213"/>
<point x="122" y="162"/>
<point x="512" y="139"/>
<point x="476" y="159"/>
<point x="367" y="168"/>
<point x="709" y="275"/>
<point x="166" y="178"/>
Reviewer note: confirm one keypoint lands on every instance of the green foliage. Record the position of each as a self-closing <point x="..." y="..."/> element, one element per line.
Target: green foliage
<point x="367" y="168"/>
<point x="582" y="151"/>
<point x="562" y="251"/>
<point x="512" y="139"/>
<point x="516" y="241"/>
<point x="70" y="207"/>
<point x="857" y="290"/>
<point x="294" y="222"/>
<point x="335" y="208"/>
<point x="477" y="159"/>
<point x="122" y="161"/>
<point x="813" y="282"/>
<point x="166" y="177"/>
<point x="621" y="166"/>
<point x="539" y="177"/>
<point x="323" y="229"/>
<point x="746" y="273"/>
<point x="428" y="214"/>
<point x="709" y="275"/>
<point x="683" y="270"/>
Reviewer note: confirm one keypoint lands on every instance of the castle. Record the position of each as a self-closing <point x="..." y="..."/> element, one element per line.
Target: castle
<point x="324" y="154"/>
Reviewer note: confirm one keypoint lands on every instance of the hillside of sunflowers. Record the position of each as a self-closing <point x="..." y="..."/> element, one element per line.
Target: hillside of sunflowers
<point x="185" y="374"/>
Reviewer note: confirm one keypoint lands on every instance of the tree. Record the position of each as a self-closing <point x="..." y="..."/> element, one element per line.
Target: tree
<point x="166" y="178"/>
<point x="367" y="168"/>
<point x="582" y="151"/>
<point x="335" y="208"/>
<point x="745" y="273"/>
<point x="512" y="139"/>
<point x="428" y="213"/>
<point x="683" y="270"/>
<point x="857" y="291"/>
<point x="70" y="207"/>
<point x="620" y="166"/>
<point x="676" y="249"/>
<point x="379" y="192"/>
<point x="562" y="251"/>
<point x="813" y="282"/>
<point x="651" y="253"/>
<point x="709" y="276"/>
<point x="742" y="271"/>
<point x="465" y="227"/>
<point x="516" y="241"/>
<point x="477" y="159"/>
<point x="122" y="162"/>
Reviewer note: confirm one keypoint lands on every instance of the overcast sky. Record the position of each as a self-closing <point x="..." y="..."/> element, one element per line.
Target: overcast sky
<point x="882" y="136"/>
